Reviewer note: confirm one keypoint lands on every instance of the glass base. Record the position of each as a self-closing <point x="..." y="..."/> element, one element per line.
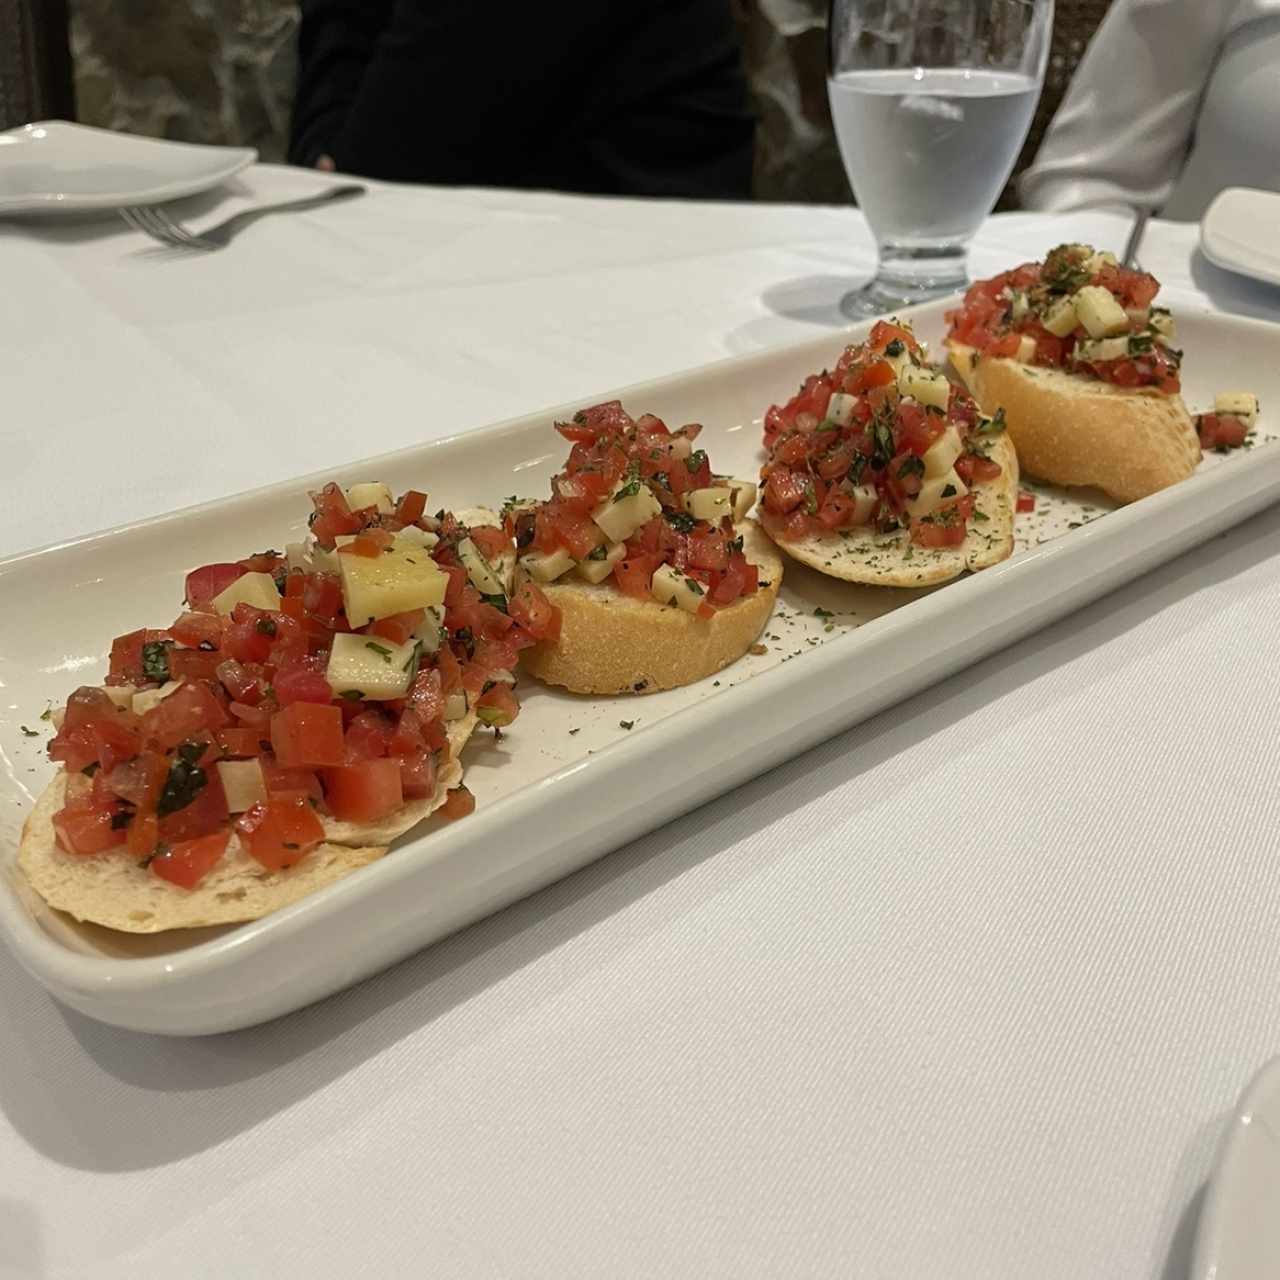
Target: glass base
<point x="905" y="277"/>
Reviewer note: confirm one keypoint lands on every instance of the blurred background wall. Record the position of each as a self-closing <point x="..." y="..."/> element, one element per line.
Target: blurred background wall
<point x="223" y="70"/>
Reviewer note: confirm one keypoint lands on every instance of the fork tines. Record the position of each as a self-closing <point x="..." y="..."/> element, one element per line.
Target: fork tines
<point x="156" y="223"/>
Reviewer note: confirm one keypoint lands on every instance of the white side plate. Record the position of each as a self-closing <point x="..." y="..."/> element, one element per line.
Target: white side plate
<point x="1238" y="1237"/>
<point x="56" y="167"/>
<point x="1238" y="233"/>
<point x="574" y="777"/>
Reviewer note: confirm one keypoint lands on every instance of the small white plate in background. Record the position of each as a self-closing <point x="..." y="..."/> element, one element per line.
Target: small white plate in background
<point x="1238" y="233"/>
<point x="53" y="167"/>
<point x="1239" y="1233"/>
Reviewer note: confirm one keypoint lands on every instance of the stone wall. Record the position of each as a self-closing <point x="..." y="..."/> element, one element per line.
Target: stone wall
<point x="194" y="70"/>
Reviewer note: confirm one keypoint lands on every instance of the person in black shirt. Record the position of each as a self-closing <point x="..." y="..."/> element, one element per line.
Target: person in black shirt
<point x="626" y="97"/>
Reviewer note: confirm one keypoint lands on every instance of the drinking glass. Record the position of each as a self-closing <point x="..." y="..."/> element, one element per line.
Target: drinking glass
<point x="931" y="101"/>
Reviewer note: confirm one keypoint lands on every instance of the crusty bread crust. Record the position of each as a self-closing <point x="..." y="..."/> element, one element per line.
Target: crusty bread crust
<point x="112" y="889"/>
<point x="892" y="560"/>
<point x="613" y="643"/>
<point x="1072" y="430"/>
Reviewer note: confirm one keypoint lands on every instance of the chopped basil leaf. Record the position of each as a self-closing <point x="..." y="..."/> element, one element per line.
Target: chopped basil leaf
<point x="155" y="660"/>
<point x="191" y="751"/>
<point x="912" y="466"/>
<point x="597" y="553"/>
<point x="981" y="517"/>
<point x="351" y="695"/>
<point x="380" y="649"/>
<point x="184" y="783"/>
<point x="823" y="613"/>
<point x="681" y="521"/>
<point x="856" y="468"/>
<point x="949" y="491"/>
<point x="628" y="490"/>
<point x="265" y="626"/>
<point x="626" y="724"/>
<point x="827" y="425"/>
<point x="695" y="586"/>
<point x="91" y="768"/>
<point x="497" y="600"/>
<point x="810" y="499"/>
<point x="120" y="820"/>
<point x="696" y="460"/>
<point x="895" y="348"/>
<point x="992" y="426"/>
<point x="415" y="659"/>
<point x="28" y="733"/>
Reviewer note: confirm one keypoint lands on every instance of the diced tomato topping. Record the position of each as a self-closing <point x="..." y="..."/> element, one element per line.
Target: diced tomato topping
<point x="280" y="832"/>
<point x="458" y="804"/>
<point x="530" y="607"/>
<point x="88" y="831"/>
<point x="239" y="742"/>
<point x="282" y="781"/>
<point x="187" y="862"/>
<point x="208" y="581"/>
<point x="186" y="713"/>
<point x="195" y="629"/>
<point x="1221" y="431"/>
<point x="368" y="736"/>
<point x="490" y="542"/>
<point x="204" y="811"/>
<point x="333" y="516"/>
<point x="1026" y="501"/>
<point x="634" y="575"/>
<point x="497" y="706"/>
<point x="410" y="508"/>
<point x="299" y="682"/>
<point x="308" y="734"/>
<point x="365" y="791"/>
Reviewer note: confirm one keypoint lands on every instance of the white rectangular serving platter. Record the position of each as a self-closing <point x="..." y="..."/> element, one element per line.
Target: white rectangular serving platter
<point x="560" y="789"/>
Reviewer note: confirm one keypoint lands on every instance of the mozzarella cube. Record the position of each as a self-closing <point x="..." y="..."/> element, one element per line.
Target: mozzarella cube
<point x="865" y="499"/>
<point x="484" y="577"/>
<point x="297" y="557"/>
<point x="1026" y="351"/>
<point x="630" y="505"/>
<point x="1099" y="312"/>
<point x="121" y="695"/>
<point x="744" y="498"/>
<point x="925" y="386"/>
<point x="709" y="504"/>
<point x="243" y="783"/>
<point x="371" y="666"/>
<point x="431" y="629"/>
<point x="1019" y="306"/>
<point x="941" y="455"/>
<point x="1096" y="261"/>
<point x="1103" y="349"/>
<point x="1061" y="318"/>
<point x="373" y="494"/>
<point x="547" y="566"/>
<point x="412" y="536"/>
<point x="672" y="587"/>
<point x="1237" y="404"/>
<point x="598" y="568"/>
<point x="935" y="491"/>
<point x="257" y="589"/>
<point x="841" y="407"/>
<point x="145" y="699"/>
<point x="396" y="580"/>
<point x="455" y="705"/>
<point x="1162" y="323"/>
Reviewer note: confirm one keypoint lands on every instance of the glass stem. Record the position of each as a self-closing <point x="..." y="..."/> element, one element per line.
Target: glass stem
<point x="919" y="272"/>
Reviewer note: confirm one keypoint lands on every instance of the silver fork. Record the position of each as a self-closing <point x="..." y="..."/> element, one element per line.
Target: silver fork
<point x="161" y="226"/>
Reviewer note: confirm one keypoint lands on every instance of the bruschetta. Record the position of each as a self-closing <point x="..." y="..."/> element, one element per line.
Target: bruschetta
<point x="306" y="708"/>
<point x="881" y="471"/>
<point x="1083" y="366"/>
<point x="658" y="575"/>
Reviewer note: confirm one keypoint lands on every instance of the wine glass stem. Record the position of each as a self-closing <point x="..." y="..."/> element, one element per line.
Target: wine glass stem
<point x="916" y="271"/>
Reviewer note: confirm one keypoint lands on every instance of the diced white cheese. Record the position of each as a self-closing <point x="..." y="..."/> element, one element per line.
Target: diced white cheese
<point x="371" y="666"/>
<point x="935" y="491"/>
<point x="297" y="557"/>
<point x="1103" y="349"/>
<point x="372" y="494"/>
<point x="841" y="407"/>
<point x="455" y="705"/>
<point x="396" y="580"/>
<point x="624" y="511"/>
<point x="257" y="589"/>
<point x="547" y="566"/>
<point x="145" y="699"/>
<point x="925" y="386"/>
<point x="597" y="570"/>
<point x="744" y="498"/>
<point x="479" y="570"/>
<point x="1060" y="317"/>
<point x="1237" y="404"/>
<point x="672" y="587"/>
<point x="681" y="447"/>
<point x="243" y="783"/>
<point x="941" y="455"/>
<point x="431" y="629"/>
<point x="864" y="498"/>
<point x="56" y="716"/>
<point x="121" y="694"/>
<point x="709" y="504"/>
<point x="1138" y="317"/>
<point x="412" y="536"/>
<point x="1095" y="262"/>
<point x="1162" y="323"/>
<point x="1099" y="312"/>
<point x="1026" y="351"/>
<point x="323" y="561"/>
<point x="1019" y="306"/>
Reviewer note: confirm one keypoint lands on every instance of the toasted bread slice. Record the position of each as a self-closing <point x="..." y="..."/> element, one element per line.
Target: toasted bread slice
<point x="112" y="889"/>
<point x="1073" y="430"/>
<point x="611" y="642"/>
<point x="892" y="560"/>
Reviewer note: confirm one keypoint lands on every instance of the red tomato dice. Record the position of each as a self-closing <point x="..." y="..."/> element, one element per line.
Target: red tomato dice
<point x="364" y="792"/>
<point x="187" y="862"/>
<point x="281" y="832"/>
<point x="308" y="734"/>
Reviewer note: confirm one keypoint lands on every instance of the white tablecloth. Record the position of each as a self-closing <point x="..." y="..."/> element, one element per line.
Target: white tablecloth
<point x="966" y="992"/>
